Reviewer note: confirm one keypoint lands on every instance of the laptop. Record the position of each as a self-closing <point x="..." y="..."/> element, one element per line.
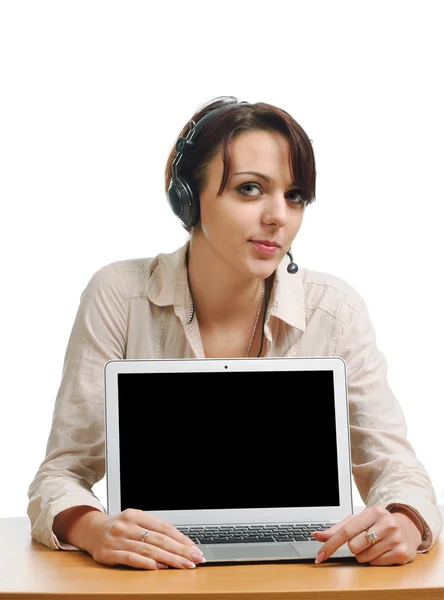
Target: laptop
<point x="245" y="456"/>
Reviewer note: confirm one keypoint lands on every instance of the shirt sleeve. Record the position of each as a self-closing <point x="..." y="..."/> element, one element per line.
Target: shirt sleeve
<point x="385" y="467"/>
<point x="75" y="452"/>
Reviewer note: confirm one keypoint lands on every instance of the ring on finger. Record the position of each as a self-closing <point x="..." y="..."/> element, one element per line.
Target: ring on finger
<point x="371" y="536"/>
<point x="145" y="534"/>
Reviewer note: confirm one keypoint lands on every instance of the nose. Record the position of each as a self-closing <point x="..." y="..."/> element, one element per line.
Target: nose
<point x="275" y="211"/>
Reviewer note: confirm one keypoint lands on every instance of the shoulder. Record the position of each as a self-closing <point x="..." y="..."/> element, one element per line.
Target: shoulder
<point x="128" y="277"/>
<point x="329" y="293"/>
<point x="136" y="277"/>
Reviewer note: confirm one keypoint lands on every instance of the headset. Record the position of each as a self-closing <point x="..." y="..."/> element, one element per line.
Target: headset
<point x="184" y="199"/>
<point x="182" y="196"/>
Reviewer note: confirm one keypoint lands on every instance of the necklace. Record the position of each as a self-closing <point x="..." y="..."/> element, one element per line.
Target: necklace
<point x="191" y="315"/>
<point x="256" y="321"/>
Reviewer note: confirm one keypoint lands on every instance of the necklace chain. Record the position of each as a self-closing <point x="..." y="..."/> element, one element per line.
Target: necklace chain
<point x="191" y="315"/>
<point x="256" y="321"/>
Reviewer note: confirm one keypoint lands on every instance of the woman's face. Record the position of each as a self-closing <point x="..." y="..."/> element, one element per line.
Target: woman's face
<point x="252" y="224"/>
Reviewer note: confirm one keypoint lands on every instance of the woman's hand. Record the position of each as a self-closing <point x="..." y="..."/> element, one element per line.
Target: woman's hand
<point x="397" y="541"/>
<point x="117" y="540"/>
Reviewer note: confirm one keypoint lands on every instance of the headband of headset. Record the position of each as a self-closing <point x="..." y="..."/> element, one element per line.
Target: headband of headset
<point x="182" y="197"/>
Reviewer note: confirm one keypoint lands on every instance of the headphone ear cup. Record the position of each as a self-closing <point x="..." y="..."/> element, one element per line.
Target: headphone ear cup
<point x="184" y="201"/>
<point x="175" y="197"/>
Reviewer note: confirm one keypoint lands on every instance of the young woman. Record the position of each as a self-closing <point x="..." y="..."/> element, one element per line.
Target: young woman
<point x="239" y="178"/>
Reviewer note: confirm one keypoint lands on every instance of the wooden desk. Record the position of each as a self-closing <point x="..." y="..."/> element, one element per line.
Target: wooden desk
<point x="31" y="570"/>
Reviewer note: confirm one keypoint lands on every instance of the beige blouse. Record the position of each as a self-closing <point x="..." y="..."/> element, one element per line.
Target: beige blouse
<point x="139" y="309"/>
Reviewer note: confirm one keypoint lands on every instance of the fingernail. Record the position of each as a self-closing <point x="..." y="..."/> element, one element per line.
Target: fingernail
<point x="320" y="557"/>
<point x="197" y="549"/>
<point x="161" y="566"/>
<point x="198" y="558"/>
<point x="188" y="564"/>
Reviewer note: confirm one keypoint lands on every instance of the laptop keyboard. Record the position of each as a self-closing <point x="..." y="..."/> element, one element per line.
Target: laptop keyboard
<point x="238" y="534"/>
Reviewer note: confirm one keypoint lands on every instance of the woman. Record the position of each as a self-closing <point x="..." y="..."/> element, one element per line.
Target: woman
<point x="240" y="182"/>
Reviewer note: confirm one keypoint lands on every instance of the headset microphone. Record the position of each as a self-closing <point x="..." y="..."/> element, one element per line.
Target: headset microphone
<point x="292" y="267"/>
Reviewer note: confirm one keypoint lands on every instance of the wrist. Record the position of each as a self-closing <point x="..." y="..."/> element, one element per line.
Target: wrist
<point x="75" y="526"/>
<point x="411" y="518"/>
<point x="83" y="534"/>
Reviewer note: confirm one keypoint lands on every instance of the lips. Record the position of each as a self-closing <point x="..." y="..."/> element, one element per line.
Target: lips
<point x="266" y="243"/>
<point x="265" y="246"/>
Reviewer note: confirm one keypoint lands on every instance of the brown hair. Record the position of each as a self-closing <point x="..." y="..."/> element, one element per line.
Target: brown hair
<point x="224" y="126"/>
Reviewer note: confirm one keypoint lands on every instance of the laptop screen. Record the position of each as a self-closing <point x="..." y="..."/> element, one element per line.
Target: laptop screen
<point x="227" y="440"/>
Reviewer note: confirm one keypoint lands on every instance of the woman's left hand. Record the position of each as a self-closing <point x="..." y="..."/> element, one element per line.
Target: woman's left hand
<point x="397" y="541"/>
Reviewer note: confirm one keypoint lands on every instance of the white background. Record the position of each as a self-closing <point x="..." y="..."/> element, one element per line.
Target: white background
<point x="93" y="95"/>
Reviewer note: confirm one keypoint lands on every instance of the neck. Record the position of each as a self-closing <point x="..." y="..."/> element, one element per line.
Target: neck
<point x="220" y="294"/>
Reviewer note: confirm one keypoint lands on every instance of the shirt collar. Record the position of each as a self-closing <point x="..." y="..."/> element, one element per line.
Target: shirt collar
<point x="168" y="285"/>
<point x="287" y="301"/>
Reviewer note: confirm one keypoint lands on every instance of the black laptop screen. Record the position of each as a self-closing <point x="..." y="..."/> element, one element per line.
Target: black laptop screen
<point x="227" y="440"/>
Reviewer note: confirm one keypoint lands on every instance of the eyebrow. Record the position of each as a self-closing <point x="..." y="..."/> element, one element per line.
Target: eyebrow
<point x="265" y="177"/>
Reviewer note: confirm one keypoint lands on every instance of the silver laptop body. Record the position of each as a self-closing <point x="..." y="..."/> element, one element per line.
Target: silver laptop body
<point x="245" y="456"/>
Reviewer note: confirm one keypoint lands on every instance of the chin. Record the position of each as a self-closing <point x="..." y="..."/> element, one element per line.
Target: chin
<point x="264" y="269"/>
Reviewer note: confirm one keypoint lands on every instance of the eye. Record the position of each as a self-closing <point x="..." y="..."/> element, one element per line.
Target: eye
<point x="297" y="198"/>
<point x="243" y="189"/>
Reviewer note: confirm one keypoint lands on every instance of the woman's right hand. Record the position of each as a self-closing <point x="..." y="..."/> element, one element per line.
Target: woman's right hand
<point x="117" y="540"/>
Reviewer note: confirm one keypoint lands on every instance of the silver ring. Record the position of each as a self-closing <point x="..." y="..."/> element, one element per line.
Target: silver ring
<point x="371" y="536"/>
<point x="145" y="534"/>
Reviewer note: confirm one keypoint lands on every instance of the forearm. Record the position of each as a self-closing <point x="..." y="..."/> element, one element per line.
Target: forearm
<point x="75" y="526"/>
